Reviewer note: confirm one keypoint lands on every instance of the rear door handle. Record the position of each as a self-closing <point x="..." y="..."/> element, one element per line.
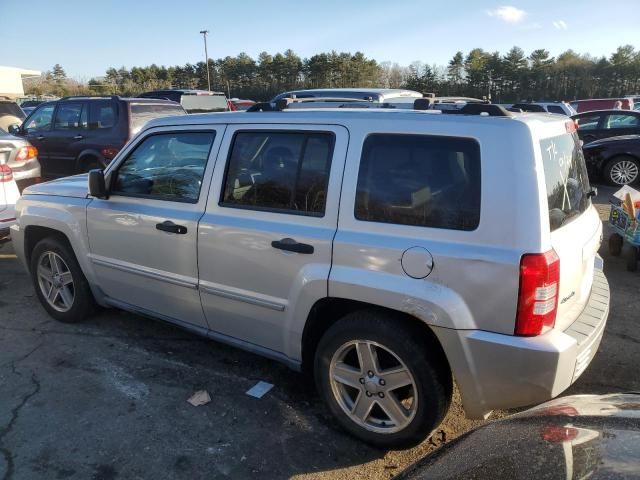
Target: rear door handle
<point x="78" y="137"/>
<point x="169" y="226"/>
<point x="40" y="137"/>
<point x="290" y="245"/>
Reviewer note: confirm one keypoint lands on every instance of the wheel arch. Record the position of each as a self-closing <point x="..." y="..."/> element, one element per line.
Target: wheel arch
<point x="328" y="311"/>
<point x="89" y="153"/>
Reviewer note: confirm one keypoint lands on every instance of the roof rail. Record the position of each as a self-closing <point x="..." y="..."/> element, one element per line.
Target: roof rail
<point x="80" y="97"/>
<point x="489" y="109"/>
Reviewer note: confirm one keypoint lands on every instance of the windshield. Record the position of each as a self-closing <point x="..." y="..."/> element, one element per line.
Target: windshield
<point x="141" y="113"/>
<point x="565" y="177"/>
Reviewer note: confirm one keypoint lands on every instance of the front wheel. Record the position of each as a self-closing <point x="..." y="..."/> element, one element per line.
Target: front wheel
<point x="59" y="282"/>
<point x="382" y="380"/>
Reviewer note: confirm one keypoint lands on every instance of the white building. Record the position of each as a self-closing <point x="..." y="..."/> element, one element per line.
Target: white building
<point x="11" y="81"/>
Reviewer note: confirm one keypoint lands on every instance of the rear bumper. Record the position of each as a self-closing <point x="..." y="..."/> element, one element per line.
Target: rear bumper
<point x="495" y="371"/>
<point x="30" y="170"/>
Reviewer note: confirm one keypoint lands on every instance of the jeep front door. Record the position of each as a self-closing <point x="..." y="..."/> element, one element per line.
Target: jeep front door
<point x="143" y="238"/>
<point x="264" y="243"/>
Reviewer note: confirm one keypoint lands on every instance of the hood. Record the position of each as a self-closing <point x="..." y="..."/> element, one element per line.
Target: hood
<point x="583" y="436"/>
<point x="76" y="186"/>
<point x="609" y="140"/>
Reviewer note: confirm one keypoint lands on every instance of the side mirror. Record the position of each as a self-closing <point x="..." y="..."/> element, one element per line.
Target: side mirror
<point x="14" y="129"/>
<point x="97" y="187"/>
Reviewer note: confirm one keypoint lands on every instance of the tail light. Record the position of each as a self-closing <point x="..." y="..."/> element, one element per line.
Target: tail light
<point x="109" y="152"/>
<point x="26" y="153"/>
<point x="538" y="294"/>
<point x="6" y="175"/>
<point x="571" y="125"/>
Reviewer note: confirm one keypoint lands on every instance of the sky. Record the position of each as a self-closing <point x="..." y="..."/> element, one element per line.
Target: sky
<point x="86" y="37"/>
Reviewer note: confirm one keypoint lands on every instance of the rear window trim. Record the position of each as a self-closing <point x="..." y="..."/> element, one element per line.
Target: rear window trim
<point x="420" y="227"/>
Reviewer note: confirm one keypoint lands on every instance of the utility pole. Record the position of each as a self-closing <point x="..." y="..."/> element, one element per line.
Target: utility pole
<point x="206" y="57"/>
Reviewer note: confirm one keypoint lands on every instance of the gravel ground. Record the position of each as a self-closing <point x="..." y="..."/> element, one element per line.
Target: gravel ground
<point x="106" y="399"/>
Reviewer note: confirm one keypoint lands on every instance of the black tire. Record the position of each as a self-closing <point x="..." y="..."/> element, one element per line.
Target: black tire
<point x="608" y="168"/>
<point x="83" y="304"/>
<point x="615" y="244"/>
<point x="421" y="355"/>
<point x="90" y="163"/>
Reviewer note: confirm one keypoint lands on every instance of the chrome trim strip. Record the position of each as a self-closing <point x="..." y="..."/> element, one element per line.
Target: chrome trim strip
<point x="144" y="273"/>
<point x="242" y="298"/>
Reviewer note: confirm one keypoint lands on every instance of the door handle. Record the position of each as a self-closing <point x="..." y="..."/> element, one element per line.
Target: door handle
<point x="290" y="245"/>
<point x="40" y="137"/>
<point x="169" y="226"/>
<point x="78" y="137"/>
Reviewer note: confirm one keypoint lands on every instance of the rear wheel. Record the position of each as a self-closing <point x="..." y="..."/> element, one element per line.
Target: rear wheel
<point x="382" y="380"/>
<point x="59" y="282"/>
<point x="615" y="244"/>
<point x="622" y="170"/>
<point x="90" y="163"/>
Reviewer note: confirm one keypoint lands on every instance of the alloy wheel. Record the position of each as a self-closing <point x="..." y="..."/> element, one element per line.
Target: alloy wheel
<point x="373" y="386"/>
<point x="55" y="281"/>
<point x="624" y="172"/>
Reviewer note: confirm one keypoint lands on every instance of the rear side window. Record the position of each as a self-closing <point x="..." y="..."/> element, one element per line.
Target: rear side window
<point x="565" y="177"/>
<point x="103" y="115"/>
<point x="286" y="172"/>
<point x="421" y="180"/>
<point x="555" y="109"/>
<point x="141" y="113"/>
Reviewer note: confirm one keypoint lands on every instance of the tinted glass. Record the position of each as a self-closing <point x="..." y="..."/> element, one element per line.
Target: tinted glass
<point x="279" y="171"/>
<point x="204" y="103"/>
<point x="167" y="167"/>
<point x="141" y="113"/>
<point x="622" y="121"/>
<point x="11" y="108"/>
<point x="40" y="119"/>
<point x="421" y="180"/>
<point x="565" y="177"/>
<point x="70" y="116"/>
<point x="103" y="115"/>
<point x="588" y="122"/>
<point x="555" y="109"/>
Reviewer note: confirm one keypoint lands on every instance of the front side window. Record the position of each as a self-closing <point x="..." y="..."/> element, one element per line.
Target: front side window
<point x="168" y="166"/>
<point x="70" y="116"/>
<point x="622" y="121"/>
<point x="588" y="122"/>
<point x="565" y="177"/>
<point x="40" y="120"/>
<point x="279" y="171"/>
<point x="420" y="180"/>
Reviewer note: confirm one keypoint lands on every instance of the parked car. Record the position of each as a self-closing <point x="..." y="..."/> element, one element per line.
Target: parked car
<point x="616" y="160"/>
<point x="29" y="106"/>
<point x="377" y="95"/>
<point x="381" y="252"/>
<point x="242" y="105"/>
<point x="601" y="104"/>
<point x="560" y="108"/>
<point x="10" y="113"/>
<point x="606" y="123"/>
<point x="193" y="101"/>
<point x="76" y="134"/>
<point x="582" y="436"/>
<point x="23" y="158"/>
<point x="9" y="194"/>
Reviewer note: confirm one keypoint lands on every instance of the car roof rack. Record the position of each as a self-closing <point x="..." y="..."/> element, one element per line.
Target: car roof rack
<point x="81" y="97"/>
<point x="489" y="109"/>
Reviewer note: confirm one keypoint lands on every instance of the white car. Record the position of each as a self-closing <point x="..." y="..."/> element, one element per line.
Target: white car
<point x="9" y="194"/>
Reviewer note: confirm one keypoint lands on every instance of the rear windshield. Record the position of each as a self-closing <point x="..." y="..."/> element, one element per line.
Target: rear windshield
<point x="204" y="103"/>
<point x="141" y="113"/>
<point x="565" y="177"/>
<point x="12" y="109"/>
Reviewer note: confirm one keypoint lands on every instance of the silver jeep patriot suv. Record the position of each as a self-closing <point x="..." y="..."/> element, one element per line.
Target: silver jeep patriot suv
<point x="386" y="253"/>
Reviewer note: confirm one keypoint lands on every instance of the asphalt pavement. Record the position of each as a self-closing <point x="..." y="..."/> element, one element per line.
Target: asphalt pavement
<point x="107" y="399"/>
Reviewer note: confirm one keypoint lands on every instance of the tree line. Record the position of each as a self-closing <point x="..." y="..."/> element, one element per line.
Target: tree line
<point x="509" y="77"/>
